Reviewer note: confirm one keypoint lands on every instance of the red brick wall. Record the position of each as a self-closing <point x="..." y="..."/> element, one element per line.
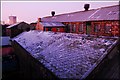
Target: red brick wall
<point x="54" y="29"/>
<point x="77" y="26"/>
<point x="114" y="31"/>
<point x="39" y="26"/>
<point x="62" y="30"/>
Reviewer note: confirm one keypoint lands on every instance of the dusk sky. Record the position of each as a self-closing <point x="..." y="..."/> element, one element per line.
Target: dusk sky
<point x="29" y="11"/>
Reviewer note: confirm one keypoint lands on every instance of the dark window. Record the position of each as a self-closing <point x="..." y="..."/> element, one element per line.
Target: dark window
<point x="49" y="29"/>
<point x="96" y="27"/>
<point x="73" y="28"/>
<point x="67" y="28"/>
<point x="70" y="25"/>
<point x="58" y="29"/>
<point x="108" y="28"/>
<point x="44" y="29"/>
<point x="81" y="28"/>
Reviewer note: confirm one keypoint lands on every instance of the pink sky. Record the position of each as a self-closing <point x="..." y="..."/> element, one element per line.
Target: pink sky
<point x="29" y="11"/>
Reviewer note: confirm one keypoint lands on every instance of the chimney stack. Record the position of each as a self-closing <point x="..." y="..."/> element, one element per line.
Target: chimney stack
<point x="53" y="13"/>
<point x="39" y="19"/>
<point x="86" y="6"/>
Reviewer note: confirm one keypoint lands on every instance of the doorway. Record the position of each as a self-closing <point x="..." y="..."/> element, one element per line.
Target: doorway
<point x="88" y="28"/>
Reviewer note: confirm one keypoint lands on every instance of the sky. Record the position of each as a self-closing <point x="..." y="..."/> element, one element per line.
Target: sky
<point x="30" y="11"/>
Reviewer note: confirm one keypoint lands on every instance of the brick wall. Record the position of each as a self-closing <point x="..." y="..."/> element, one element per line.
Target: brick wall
<point x="99" y="28"/>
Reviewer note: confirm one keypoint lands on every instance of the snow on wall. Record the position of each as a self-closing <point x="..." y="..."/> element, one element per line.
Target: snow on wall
<point x="67" y="55"/>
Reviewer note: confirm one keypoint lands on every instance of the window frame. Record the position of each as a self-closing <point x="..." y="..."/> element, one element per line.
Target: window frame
<point x="108" y="28"/>
<point x="97" y="27"/>
<point x="81" y="27"/>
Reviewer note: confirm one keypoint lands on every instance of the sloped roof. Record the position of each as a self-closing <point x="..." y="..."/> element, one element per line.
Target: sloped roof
<point x="104" y="13"/>
<point x="14" y="25"/>
<point x="21" y="25"/>
<point x="67" y="55"/>
<point x="52" y="24"/>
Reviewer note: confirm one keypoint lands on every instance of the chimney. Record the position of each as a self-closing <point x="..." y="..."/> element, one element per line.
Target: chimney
<point x="39" y="19"/>
<point x="53" y="13"/>
<point x="86" y="6"/>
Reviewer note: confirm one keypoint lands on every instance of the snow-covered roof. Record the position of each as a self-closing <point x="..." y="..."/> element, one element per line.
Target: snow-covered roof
<point x="67" y="55"/>
<point x="103" y="13"/>
<point x="52" y="24"/>
<point x="13" y="25"/>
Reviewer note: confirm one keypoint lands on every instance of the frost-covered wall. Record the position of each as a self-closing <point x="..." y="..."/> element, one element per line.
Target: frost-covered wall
<point x="67" y="55"/>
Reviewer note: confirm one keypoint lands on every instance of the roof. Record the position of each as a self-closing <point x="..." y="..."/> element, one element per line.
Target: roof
<point x="52" y="24"/>
<point x="5" y="25"/>
<point x="14" y="25"/>
<point x="5" y="40"/>
<point x="21" y="25"/>
<point x="104" y="13"/>
<point x="66" y="55"/>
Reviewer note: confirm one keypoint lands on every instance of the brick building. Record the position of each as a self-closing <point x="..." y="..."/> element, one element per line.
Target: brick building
<point x="50" y="26"/>
<point x="103" y="21"/>
<point x="17" y="28"/>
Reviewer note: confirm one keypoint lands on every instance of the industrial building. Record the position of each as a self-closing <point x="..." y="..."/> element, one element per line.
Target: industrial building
<point x="103" y="21"/>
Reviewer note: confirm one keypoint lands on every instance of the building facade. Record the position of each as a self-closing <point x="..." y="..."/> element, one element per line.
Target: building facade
<point x="103" y="21"/>
<point x="50" y="26"/>
<point x="103" y="28"/>
<point x="17" y="28"/>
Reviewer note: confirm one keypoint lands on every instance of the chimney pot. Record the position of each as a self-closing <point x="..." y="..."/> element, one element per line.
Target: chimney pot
<point x="53" y="13"/>
<point x="86" y="6"/>
<point x="39" y="19"/>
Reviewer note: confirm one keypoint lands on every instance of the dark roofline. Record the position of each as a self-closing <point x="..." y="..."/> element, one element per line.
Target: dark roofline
<point x="81" y="11"/>
<point x="11" y="26"/>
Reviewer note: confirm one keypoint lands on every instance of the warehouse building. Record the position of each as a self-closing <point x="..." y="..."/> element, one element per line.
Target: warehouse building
<point x="103" y="21"/>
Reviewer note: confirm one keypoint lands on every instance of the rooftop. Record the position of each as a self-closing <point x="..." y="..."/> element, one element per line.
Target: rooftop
<point x="104" y="13"/>
<point x="21" y="25"/>
<point x="67" y="55"/>
<point x="52" y="24"/>
<point x="14" y="25"/>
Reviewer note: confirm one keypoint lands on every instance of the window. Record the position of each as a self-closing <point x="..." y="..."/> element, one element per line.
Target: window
<point x="81" y="28"/>
<point x="67" y="28"/>
<point x="73" y="28"/>
<point x="49" y="29"/>
<point x="108" y="28"/>
<point x="58" y="29"/>
<point x="96" y="27"/>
